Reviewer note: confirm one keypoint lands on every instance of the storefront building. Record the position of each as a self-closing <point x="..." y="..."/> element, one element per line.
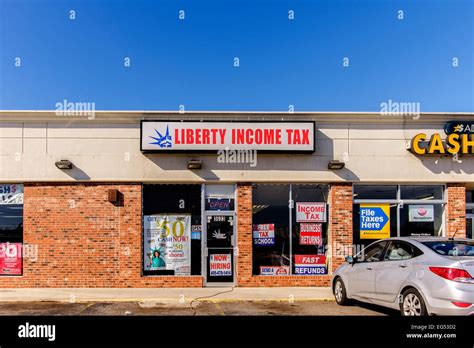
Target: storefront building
<point x="165" y="199"/>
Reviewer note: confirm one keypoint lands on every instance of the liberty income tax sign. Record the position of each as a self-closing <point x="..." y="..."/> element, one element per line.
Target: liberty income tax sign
<point x="213" y="136"/>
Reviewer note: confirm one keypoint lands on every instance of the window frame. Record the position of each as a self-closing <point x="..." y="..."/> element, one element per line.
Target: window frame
<point x="427" y="244"/>
<point x="168" y="273"/>
<point x="401" y="202"/>
<point x="291" y="209"/>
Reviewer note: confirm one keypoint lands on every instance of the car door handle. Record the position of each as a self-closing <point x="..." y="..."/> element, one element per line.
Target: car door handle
<point x="402" y="266"/>
<point x="369" y="268"/>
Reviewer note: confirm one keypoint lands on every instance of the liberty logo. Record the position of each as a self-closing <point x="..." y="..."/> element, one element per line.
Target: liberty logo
<point x="163" y="141"/>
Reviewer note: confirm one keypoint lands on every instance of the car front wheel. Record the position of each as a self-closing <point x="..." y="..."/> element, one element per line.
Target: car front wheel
<point x="340" y="293"/>
<point x="412" y="304"/>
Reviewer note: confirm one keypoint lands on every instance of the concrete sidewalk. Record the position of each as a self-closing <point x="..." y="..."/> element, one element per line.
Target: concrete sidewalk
<point x="170" y="296"/>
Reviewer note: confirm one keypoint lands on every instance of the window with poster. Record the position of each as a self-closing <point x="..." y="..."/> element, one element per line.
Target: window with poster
<point x="309" y="229"/>
<point x="289" y="229"/>
<point x="11" y="229"/>
<point x="171" y="229"/>
<point x="383" y="211"/>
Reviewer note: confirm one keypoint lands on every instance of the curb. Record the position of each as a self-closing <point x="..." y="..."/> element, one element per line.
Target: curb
<point x="164" y="301"/>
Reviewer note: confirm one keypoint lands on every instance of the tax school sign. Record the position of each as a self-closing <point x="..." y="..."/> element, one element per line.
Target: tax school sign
<point x="213" y="136"/>
<point x="374" y="221"/>
<point x="264" y="234"/>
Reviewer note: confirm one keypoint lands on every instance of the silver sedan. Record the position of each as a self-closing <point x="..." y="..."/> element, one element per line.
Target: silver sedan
<point x="417" y="275"/>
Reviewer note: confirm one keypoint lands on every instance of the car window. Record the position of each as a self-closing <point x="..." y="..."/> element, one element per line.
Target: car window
<point x="398" y="250"/>
<point x="372" y="253"/>
<point x="452" y="248"/>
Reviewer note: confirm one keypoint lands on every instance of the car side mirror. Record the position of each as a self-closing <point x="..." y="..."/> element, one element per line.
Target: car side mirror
<point x="350" y="259"/>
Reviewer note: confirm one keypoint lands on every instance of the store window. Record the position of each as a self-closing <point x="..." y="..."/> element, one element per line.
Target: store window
<point x="375" y="192"/>
<point x="421" y="220"/>
<point x="425" y="193"/>
<point x="11" y="229"/>
<point x="387" y="215"/>
<point x="289" y="229"/>
<point x="382" y="211"/>
<point x="309" y="230"/>
<point x="469" y="227"/>
<point x="172" y="229"/>
<point x="270" y="212"/>
<point x="469" y="214"/>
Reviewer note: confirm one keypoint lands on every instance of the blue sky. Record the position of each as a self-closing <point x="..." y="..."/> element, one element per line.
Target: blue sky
<point x="283" y="62"/>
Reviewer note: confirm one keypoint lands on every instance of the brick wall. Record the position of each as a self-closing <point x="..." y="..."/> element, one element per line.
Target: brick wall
<point x="340" y="223"/>
<point x="456" y="210"/>
<point x="244" y="234"/>
<point x="85" y="241"/>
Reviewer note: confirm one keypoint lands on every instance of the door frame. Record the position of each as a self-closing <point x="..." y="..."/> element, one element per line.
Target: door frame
<point x="204" y="249"/>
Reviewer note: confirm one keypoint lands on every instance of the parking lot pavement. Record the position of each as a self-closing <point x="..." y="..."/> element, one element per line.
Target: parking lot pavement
<point x="195" y="308"/>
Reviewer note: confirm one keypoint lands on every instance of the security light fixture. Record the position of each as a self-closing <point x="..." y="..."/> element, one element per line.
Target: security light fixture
<point x="335" y="165"/>
<point x="64" y="164"/>
<point x="115" y="197"/>
<point x="194" y="164"/>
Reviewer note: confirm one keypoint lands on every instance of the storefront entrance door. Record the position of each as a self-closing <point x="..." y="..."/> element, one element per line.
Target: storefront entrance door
<point x="220" y="248"/>
<point x="219" y="235"/>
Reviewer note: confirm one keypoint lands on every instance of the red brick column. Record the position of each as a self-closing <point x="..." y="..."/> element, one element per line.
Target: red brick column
<point x="244" y="234"/>
<point x="340" y="223"/>
<point x="456" y="210"/>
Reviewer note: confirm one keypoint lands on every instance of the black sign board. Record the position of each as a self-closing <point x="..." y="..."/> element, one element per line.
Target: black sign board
<point x="459" y="127"/>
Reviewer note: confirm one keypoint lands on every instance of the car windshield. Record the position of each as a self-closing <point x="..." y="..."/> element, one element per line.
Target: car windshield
<point x="452" y="248"/>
